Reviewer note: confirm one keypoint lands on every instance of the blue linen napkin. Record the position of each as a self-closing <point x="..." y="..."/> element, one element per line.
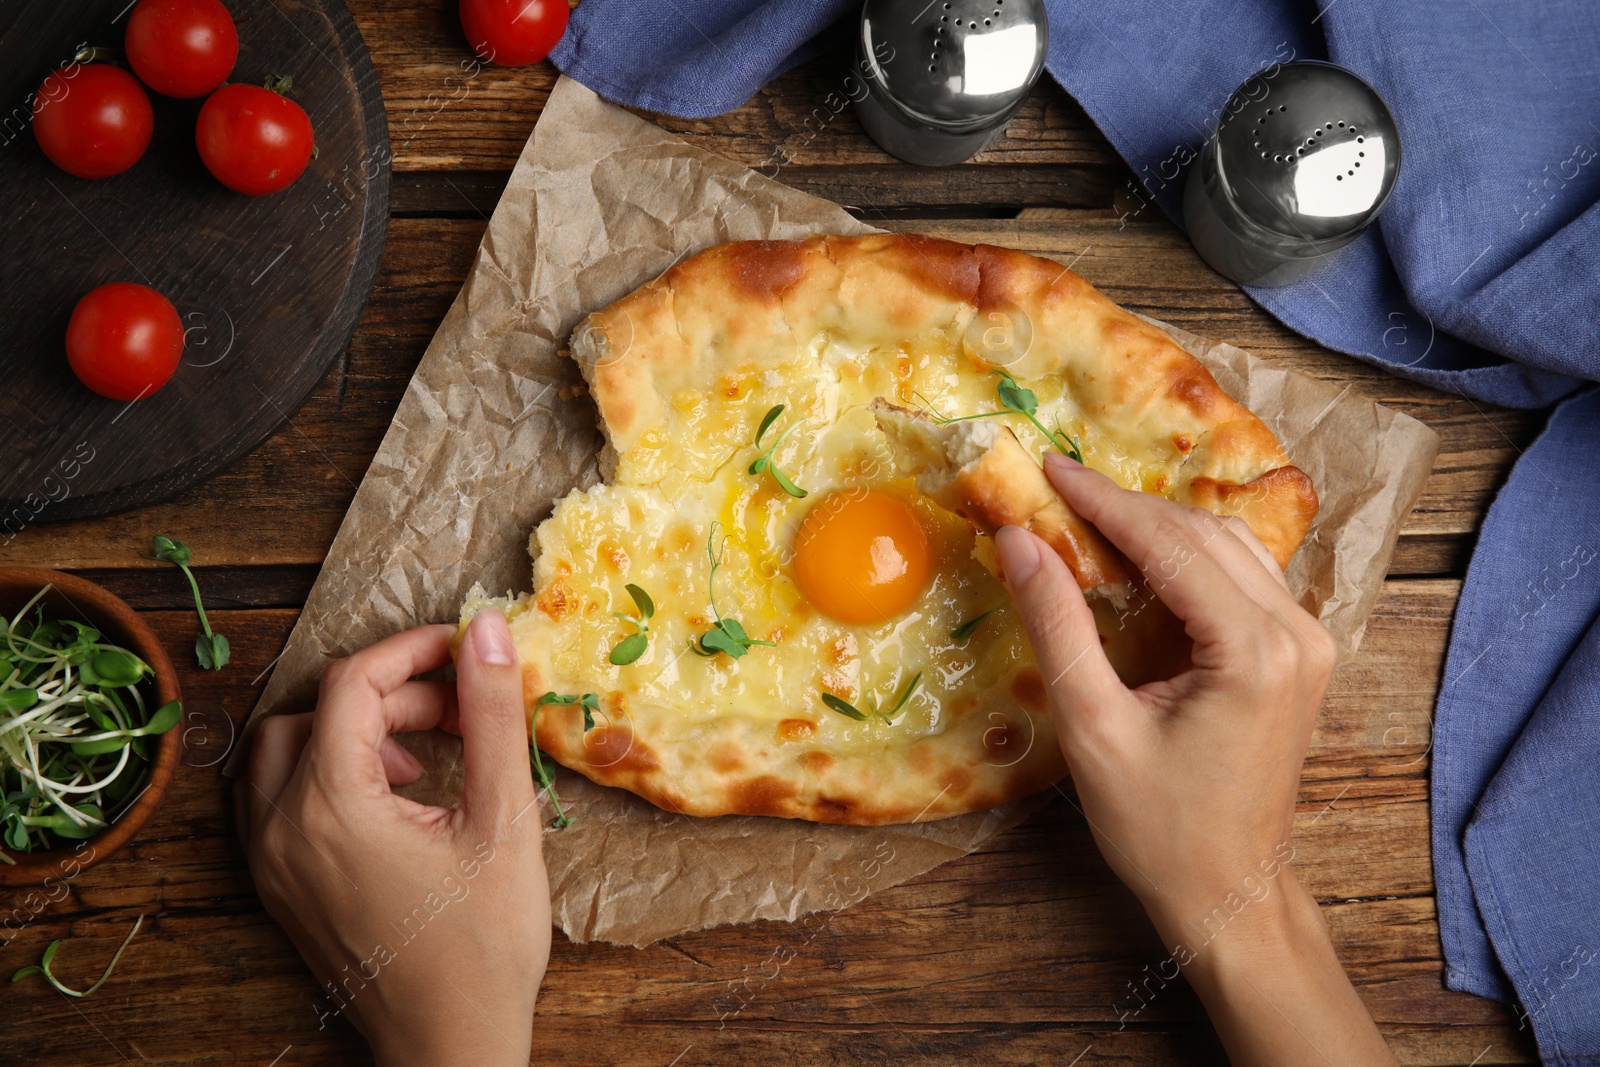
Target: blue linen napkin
<point x="1482" y="277"/>
<point x="691" y="58"/>
<point x="1527" y="616"/>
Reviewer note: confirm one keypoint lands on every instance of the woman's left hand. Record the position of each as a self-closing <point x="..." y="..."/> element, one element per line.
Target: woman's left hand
<point x="428" y="927"/>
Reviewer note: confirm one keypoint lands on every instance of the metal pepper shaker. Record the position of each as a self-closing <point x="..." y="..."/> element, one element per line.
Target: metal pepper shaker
<point x="1303" y="158"/>
<point x="944" y="77"/>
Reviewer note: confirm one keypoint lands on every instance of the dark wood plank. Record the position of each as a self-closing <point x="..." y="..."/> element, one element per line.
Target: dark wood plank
<point x="150" y="588"/>
<point x="870" y="191"/>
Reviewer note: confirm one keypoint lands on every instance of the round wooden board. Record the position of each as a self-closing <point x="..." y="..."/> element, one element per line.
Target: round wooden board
<point x="269" y="288"/>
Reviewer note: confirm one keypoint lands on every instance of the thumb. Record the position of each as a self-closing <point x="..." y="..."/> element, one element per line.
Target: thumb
<point x="1060" y="627"/>
<point x="494" y="725"/>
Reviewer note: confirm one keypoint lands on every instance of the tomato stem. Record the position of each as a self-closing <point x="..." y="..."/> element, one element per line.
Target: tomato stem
<point x="90" y="53"/>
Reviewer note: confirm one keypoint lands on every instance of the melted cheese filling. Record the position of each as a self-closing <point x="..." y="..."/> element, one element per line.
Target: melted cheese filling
<point x="651" y="526"/>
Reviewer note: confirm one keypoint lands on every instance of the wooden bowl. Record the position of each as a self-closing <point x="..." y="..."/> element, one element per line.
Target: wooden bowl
<point x="74" y="598"/>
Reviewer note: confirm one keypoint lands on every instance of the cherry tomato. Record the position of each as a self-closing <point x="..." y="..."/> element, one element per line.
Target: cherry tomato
<point x="182" y="48"/>
<point x="92" y="120"/>
<point x="254" y="140"/>
<point x="513" y="33"/>
<point x="124" y="340"/>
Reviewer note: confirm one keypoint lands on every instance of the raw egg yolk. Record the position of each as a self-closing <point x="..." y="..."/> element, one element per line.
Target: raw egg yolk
<point x="861" y="556"/>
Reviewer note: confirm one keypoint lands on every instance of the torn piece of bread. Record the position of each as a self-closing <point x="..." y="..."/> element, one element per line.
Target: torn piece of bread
<point x="980" y="471"/>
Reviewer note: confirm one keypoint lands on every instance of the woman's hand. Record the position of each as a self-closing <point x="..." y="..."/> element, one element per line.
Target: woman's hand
<point x="1189" y="784"/>
<point x="428" y="927"/>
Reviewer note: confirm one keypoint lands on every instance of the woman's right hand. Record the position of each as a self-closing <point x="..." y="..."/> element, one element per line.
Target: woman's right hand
<point x="1189" y="784"/>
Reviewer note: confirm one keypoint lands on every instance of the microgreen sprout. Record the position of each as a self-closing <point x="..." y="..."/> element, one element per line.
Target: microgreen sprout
<point x="1065" y="442"/>
<point x="630" y="648"/>
<point x="765" y="461"/>
<point x="43" y="966"/>
<point x="547" y="779"/>
<point x="849" y="710"/>
<point x="961" y="634"/>
<point x="1017" y="400"/>
<point x="726" y="634"/>
<point x="210" y="649"/>
<point x="74" y="729"/>
<point x="590" y="703"/>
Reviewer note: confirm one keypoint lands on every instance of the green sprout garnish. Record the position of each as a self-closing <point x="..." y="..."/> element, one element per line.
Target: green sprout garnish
<point x="43" y="966"/>
<point x="630" y="648"/>
<point x="849" y="710"/>
<point x="590" y="703"/>
<point x="75" y="729"/>
<point x="1016" y="400"/>
<point x="210" y="649"/>
<point x="765" y="462"/>
<point x="727" y="634"/>
<point x="962" y="633"/>
<point x="547" y="780"/>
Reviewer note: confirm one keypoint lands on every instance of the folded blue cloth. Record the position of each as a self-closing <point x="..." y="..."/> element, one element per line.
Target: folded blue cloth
<point x="1521" y="758"/>
<point x="690" y="58"/>
<point x="1482" y="277"/>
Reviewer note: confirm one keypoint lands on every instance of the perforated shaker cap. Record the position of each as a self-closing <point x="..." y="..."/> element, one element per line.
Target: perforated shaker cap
<point x="1307" y="150"/>
<point x="954" y="64"/>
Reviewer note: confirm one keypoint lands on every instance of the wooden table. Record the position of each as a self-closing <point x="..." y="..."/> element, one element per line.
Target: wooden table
<point x="1027" y="952"/>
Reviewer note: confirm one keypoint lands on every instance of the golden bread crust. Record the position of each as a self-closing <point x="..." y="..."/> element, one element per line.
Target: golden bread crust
<point x="1278" y="506"/>
<point x="996" y="751"/>
<point x="755" y="302"/>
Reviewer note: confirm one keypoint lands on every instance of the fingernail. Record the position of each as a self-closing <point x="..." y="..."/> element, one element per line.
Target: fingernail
<point x="1061" y="462"/>
<point x="491" y="637"/>
<point x="398" y="751"/>
<point x="1019" y="553"/>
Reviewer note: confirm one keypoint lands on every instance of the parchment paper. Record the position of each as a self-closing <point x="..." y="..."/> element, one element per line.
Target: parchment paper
<point x="492" y="430"/>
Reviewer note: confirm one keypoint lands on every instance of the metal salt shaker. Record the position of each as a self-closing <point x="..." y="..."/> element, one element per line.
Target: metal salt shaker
<point x="944" y="77"/>
<point x="1302" y="161"/>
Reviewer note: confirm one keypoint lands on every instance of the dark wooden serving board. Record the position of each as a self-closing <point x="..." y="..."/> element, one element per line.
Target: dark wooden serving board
<point x="269" y="288"/>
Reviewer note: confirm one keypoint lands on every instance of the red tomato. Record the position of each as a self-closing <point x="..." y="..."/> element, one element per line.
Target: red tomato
<point x="124" y="340"/>
<point x="182" y="48"/>
<point x="513" y="33"/>
<point x="254" y="140"/>
<point x="92" y="120"/>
